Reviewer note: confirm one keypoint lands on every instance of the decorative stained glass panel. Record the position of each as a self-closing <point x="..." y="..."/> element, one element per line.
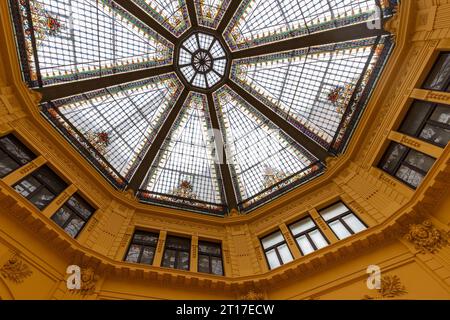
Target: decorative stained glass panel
<point x="115" y="126"/>
<point x="311" y="87"/>
<point x="210" y="12"/>
<point x="67" y="40"/>
<point x="263" y="159"/>
<point x="185" y="170"/>
<point x="258" y="22"/>
<point x="171" y="14"/>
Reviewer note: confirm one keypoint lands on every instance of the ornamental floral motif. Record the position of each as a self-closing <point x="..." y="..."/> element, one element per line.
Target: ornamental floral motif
<point x="272" y="176"/>
<point x="15" y="269"/>
<point x="253" y="295"/>
<point x="185" y="190"/>
<point x="88" y="282"/>
<point x="340" y="96"/>
<point x="99" y="140"/>
<point x="426" y="237"/>
<point x="391" y="287"/>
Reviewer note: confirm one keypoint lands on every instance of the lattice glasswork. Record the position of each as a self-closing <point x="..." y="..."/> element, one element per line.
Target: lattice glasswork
<point x="210" y="12"/>
<point x="62" y="40"/>
<point x="171" y="14"/>
<point x="185" y="171"/>
<point x="115" y="126"/>
<point x="312" y="87"/>
<point x="259" y="22"/>
<point x="263" y="159"/>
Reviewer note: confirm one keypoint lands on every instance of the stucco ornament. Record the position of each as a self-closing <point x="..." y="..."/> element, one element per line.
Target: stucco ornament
<point x="426" y="237"/>
<point x="15" y="269"/>
<point x="252" y="295"/>
<point x="391" y="287"/>
<point x="88" y="282"/>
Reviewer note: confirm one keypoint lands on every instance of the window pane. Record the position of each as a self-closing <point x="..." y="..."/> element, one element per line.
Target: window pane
<point x="147" y="255"/>
<point x="27" y="186"/>
<point x="305" y="245"/>
<point x="302" y="226"/>
<point x="441" y="114"/>
<point x="61" y="216"/>
<point x="133" y="253"/>
<point x="333" y="211"/>
<point x="169" y="258"/>
<point x="410" y="176"/>
<point x="7" y="164"/>
<point x="46" y="175"/>
<point x="285" y="253"/>
<point x="209" y="248"/>
<point x="272" y="240"/>
<point x="417" y="114"/>
<point x="272" y="258"/>
<point x="80" y="206"/>
<point x="319" y="240"/>
<point x="420" y="160"/>
<point x="203" y="264"/>
<point x="183" y="260"/>
<point x="436" y="135"/>
<point x="15" y="148"/>
<point x="439" y="76"/>
<point x="392" y="157"/>
<point x="339" y="229"/>
<point x="178" y="243"/>
<point x="74" y="227"/>
<point x="146" y="238"/>
<point x="216" y="266"/>
<point x="354" y="223"/>
<point x="42" y="198"/>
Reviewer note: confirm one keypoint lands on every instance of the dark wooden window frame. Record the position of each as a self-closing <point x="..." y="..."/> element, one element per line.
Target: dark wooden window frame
<point x="306" y="233"/>
<point x="177" y="250"/>
<point x="447" y="85"/>
<point x="274" y="247"/>
<point x="12" y="156"/>
<point x="339" y="217"/>
<point x="143" y="244"/>
<point x="210" y="255"/>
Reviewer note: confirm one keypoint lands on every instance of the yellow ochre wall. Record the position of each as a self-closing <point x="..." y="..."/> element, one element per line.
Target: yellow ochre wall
<point x="35" y="252"/>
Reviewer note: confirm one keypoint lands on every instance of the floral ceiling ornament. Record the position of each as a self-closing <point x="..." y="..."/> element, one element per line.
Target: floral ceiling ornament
<point x="15" y="269"/>
<point x="88" y="282"/>
<point x="426" y="237"/>
<point x="391" y="287"/>
<point x="99" y="140"/>
<point x="185" y="190"/>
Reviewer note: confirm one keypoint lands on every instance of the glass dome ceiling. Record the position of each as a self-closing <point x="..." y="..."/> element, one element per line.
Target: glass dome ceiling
<point x="204" y="105"/>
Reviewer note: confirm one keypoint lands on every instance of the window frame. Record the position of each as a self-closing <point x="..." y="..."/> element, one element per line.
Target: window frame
<point x="177" y="255"/>
<point x="13" y="157"/>
<point x="210" y="255"/>
<point x="427" y="77"/>
<point x="143" y="245"/>
<point x="339" y="218"/>
<point x="275" y="248"/>
<point x="306" y="233"/>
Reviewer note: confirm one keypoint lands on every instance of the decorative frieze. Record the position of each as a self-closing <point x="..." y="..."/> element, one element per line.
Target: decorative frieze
<point x="15" y="269"/>
<point x="426" y="237"/>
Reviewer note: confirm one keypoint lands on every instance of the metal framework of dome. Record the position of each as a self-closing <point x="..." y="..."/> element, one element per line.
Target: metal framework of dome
<point x="204" y="105"/>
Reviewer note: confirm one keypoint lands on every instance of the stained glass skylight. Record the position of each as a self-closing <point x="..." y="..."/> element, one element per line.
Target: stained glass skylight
<point x="154" y="113"/>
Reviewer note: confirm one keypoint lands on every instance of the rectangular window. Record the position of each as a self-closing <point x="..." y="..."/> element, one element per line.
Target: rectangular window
<point x="429" y="122"/>
<point x="73" y="215"/>
<point x="177" y="253"/>
<point x="142" y="248"/>
<point x="406" y="164"/>
<point x="210" y="258"/>
<point x="41" y="187"/>
<point x="13" y="155"/>
<point x="308" y="236"/>
<point x="342" y="220"/>
<point x="439" y="77"/>
<point x="276" y="250"/>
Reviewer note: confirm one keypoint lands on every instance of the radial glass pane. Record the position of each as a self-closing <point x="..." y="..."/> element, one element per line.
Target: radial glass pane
<point x="311" y="87"/>
<point x="66" y="40"/>
<point x="258" y="22"/>
<point x="262" y="157"/>
<point x="171" y="14"/>
<point x="210" y="12"/>
<point x="185" y="170"/>
<point x="115" y="126"/>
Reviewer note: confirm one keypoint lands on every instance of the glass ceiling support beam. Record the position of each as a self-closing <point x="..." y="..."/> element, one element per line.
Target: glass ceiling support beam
<point x="233" y="6"/>
<point x="353" y="32"/>
<point x="315" y="149"/>
<point x="224" y="168"/>
<point x="69" y="89"/>
<point x="147" y="19"/>
<point x="192" y="13"/>
<point x="141" y="172"/>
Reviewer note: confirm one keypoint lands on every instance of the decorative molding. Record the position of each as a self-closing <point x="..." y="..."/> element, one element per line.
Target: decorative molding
<point x="15" y="269"/>
<point x="391" y="287"/>
<point x="426" y="237"/>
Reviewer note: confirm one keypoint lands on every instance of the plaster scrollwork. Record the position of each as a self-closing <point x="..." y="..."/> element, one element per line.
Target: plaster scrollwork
<point x="391" y="287"/>
<point x="15" y="269"/>
<point x="426" y="237"/>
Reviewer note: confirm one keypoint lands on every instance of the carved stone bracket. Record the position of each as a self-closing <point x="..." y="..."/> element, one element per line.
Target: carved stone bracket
<point x="15" y="269"/>
<point x="426" y="237"/>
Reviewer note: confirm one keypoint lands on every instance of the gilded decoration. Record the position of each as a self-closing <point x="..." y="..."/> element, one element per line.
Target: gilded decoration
<point x="15" y="269"/>
<point x="426" y="237"/>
